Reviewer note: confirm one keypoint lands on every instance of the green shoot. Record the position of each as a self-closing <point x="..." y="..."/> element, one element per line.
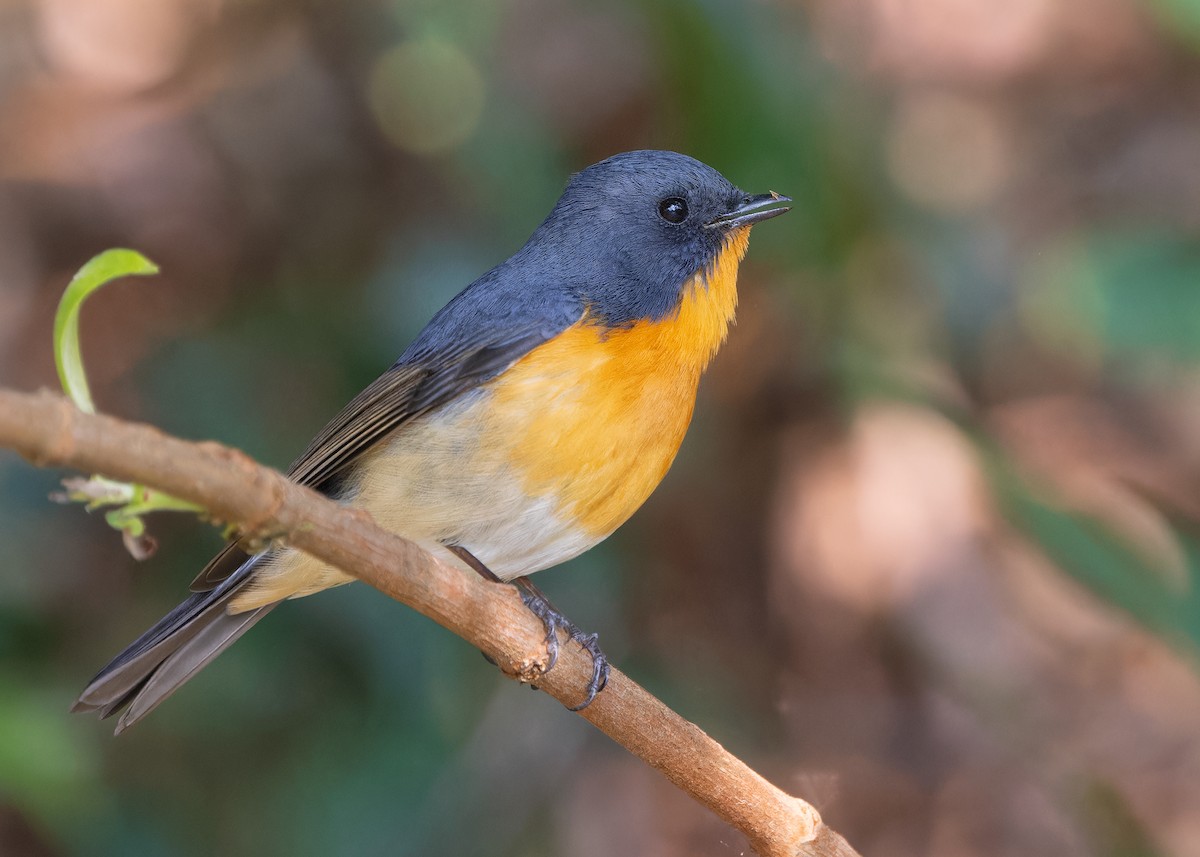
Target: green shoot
<point x="102" y="269"/>
<point x="131" y="501"/>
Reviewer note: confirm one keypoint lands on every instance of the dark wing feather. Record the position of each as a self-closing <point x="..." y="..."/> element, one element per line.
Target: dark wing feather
<point x="405" y="391"/>
<point x="384" y="405"/>
<point x="229" y="560"/>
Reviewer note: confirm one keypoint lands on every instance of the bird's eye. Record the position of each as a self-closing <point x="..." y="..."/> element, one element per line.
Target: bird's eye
<point x="673" y="210"/>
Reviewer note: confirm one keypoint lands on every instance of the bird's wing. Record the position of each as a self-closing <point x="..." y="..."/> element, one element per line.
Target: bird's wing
<point x="405" y="391"/>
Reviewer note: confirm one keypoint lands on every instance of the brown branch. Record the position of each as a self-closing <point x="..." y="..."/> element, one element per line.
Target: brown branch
<point x="47" y="430"/>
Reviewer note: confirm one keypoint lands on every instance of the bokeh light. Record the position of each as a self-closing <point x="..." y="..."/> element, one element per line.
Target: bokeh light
<point x="427" y="95"/>
<point x="948" y="153"/>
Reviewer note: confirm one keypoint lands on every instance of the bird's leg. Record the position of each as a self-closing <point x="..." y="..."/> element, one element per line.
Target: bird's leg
<point x="487" y="574"/>
<point x="552" y="619"/>
<point x="471" y="560"/>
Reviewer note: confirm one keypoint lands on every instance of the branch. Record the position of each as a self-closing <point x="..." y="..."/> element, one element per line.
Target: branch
<point x="49" y="431"/>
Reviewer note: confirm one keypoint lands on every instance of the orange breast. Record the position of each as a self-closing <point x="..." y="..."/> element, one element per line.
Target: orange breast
<point x="595" y="417"/>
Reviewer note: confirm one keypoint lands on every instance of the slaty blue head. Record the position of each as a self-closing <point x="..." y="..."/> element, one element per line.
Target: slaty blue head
<point x="635" y="228"/>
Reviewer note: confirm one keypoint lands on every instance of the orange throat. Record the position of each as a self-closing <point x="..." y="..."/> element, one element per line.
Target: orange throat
<point x="708" y="304"/>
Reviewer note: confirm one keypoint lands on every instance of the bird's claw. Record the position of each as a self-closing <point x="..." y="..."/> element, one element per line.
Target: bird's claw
<point x="599" y="680"/>
<point x="554" y="620"/>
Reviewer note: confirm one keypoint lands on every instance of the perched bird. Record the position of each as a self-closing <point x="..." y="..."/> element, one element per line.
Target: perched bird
<point x="529" y="419"/>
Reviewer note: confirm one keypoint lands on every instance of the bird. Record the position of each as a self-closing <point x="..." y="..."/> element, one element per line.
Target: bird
<point x="528" y="420"/>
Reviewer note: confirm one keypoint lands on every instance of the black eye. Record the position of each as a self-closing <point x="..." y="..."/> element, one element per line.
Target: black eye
<point x="673" y="210"/>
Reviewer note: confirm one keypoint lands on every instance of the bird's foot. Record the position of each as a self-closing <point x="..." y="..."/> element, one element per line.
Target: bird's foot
<point x="541" y="607"/>
<point x="553" y="619"/>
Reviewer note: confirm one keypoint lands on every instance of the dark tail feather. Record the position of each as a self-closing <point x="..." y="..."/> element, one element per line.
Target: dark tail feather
<point x="158" y="662"/>
<point x="217" y="635"/>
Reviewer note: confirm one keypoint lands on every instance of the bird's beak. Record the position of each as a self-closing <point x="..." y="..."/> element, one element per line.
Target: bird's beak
<point x="752" y="209"/>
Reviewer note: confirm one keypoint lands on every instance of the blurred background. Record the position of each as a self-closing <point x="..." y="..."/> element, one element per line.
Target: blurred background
<point x="930" y="556"/>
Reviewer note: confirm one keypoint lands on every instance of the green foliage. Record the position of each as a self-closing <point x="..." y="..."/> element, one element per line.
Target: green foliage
<point x="1108" y="566"/>
<point x="1134" y="295"/>
<point x="1181" y="17"/>
<point x="49" y="765"/>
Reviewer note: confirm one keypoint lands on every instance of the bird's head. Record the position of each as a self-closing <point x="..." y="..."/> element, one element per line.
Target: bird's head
<point x="639" y="227"/>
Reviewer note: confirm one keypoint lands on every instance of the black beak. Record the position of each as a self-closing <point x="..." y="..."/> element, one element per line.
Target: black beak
<point x="752" y="210"/>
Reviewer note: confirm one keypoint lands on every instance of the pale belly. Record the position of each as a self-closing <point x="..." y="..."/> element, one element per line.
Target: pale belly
<point x="451" y="480"/>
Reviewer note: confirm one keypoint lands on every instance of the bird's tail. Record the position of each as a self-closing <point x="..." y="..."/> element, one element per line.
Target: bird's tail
<point x="158" y="662"/>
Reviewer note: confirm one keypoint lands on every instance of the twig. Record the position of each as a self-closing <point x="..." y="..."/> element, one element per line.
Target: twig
<point x="49" y="431"/>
